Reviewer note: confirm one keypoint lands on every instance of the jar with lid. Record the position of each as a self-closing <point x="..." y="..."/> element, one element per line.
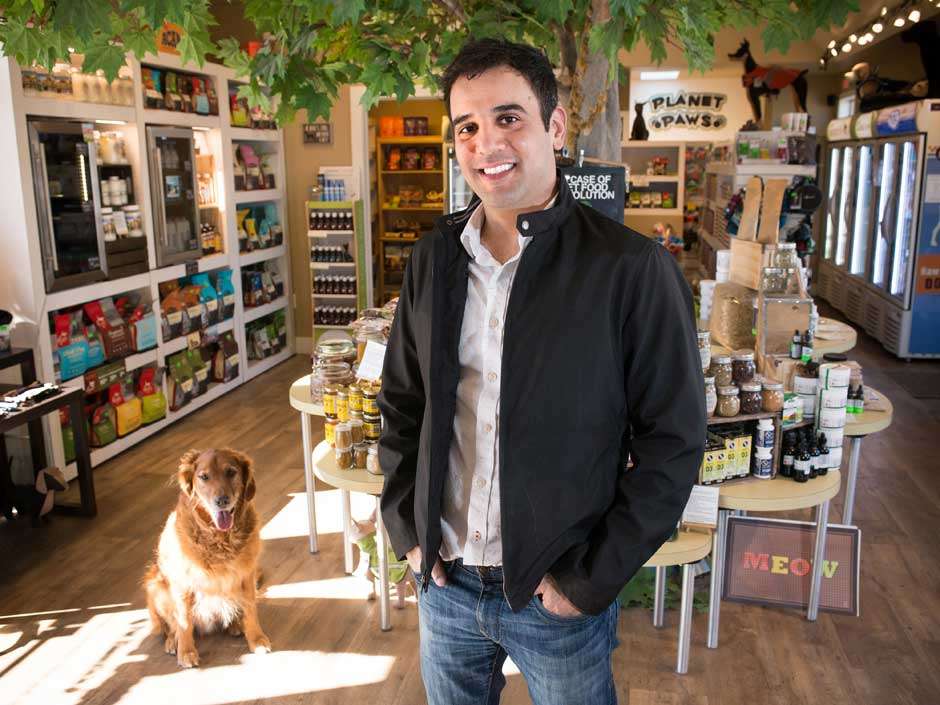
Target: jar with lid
<point x="750" y="397"/>
<point x="370" y="404"/>
<point x="360" y="455"/>
<point x="372" y="460"/>
<point x="705" y="349"/>
<point x="343" y="435"/>
<point x="342" y="404"/>
<point x="356" y="427"/>
<point x="344" y="458"/>
<point x="729" y="404"/>
<point x="722" y="371"/>
<point x="742" y="367"/>
<point x="107" y="225"/>
<point x="135" y="224"/>
<point x="328" y="375"/>
<point x="336" y="350"/>
<point x="772" y="396"/>
<point x="369" y="330"/>
<point x="329" y="430"/>
<point x="105" y="187"/>
<point x="785" y="257"/>
<point x="372" y="427"/>
<point x="355" y="398"/>
<point x="711" y="396"/>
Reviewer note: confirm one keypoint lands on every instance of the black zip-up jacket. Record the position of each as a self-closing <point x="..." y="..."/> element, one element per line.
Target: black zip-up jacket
<point x="599" y="361"/>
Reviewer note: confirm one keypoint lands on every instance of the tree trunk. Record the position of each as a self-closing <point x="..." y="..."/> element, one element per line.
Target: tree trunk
<point x="603" y="140"/>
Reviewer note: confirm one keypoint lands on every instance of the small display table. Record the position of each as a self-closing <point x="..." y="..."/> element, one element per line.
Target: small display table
<point x="857" y="426"/>
<point x="324" y="467"/>
<point x="302" y="400"/>
<point x="777" y="495"/>
<point x="833" y="336"/>
<point x="689" y="548"/>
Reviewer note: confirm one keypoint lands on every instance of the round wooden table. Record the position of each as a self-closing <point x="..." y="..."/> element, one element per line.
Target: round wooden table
<point x="833" y="336"/>
<point x="325" y="468"/>
<point x="302" y="400"/>
<point x="777" y="495"/>
<point x="857" y="426"/>
<point x="688" y="548"/>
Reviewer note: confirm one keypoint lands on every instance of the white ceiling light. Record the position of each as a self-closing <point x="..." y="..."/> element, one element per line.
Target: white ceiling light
<point x="877" y="27"/>
<point x="846" y="47"/>
<point x="899" y="22"/>
<point x="831" y="44"/>
<point x="659" y="75"/>
<point x="914" y="16"/>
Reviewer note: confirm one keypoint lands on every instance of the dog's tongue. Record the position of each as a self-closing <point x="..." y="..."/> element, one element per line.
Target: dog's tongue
<point x="223" y="520"/>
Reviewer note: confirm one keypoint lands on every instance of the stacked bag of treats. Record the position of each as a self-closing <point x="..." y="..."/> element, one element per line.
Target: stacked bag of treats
<point x="262" y="283"/>
<point x="196" y="302"/>
<point x="267" y="336"/>
<point x="180" y="92"/>
<point x="258" y="227"/>
<point x="253" y="170"/>
<point x="190" y="372"/>
<point x="109" y="329"/>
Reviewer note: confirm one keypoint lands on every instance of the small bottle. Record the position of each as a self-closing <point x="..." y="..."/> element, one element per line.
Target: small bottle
<point x="850" y="401"/>
<point x="786" y="464"/>
<point x="801" y="465"/>
<point x="859" y="399"/>
<point x="796" y="346"/>
<point x="823" y="469"/>
<point x="813" y="461"/>
<point x="807" y="351"/>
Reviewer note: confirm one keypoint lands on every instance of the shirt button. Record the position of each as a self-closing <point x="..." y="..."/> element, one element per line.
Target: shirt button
<point x="491" y="376"/>
<point x="525" y="224"/>
<point x="476" y="536"/>
<point x="487" y="428"/>
<point x="481" y="483"/>
<point x="494" y="322"/>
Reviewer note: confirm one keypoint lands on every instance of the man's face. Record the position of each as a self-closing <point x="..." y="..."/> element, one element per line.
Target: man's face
<point x="502" y="146"/>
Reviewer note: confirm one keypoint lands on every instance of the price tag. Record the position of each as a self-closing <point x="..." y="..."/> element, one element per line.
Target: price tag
<point x="192" y="268"/>
<point x="193" y="340"/>
<point x="702" y="507"/>
<point x="372" y="360"/>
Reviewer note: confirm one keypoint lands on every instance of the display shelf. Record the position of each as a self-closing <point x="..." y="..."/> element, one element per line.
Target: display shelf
<point x="256" y="312"/>
<point x="771" y="167"/>
<point x="326" y="233"/>
<point x="416" y="139"/>
<point x="647" y="179"/>
<point x="350" y="297"/>
<point x="205" y="264"/>
<point x="258" y="195"/>
<point x="401" y="241"/>
<point x="132" y="362"/>
<point x="262" y="255"/>
<point x="413" y="171"/>
<point x="180" y="343"/>
<point x="328" y="265"/>
<point x="325" y="326"/>
<point x="257" y="367"/>
<point x="799" y="424"/>
<point x="215" y="390"/>
<point x="177" y="119"/>
<point x="721" y="420"/>
<point x="98" y="290"/>
<point x="250" y="134"/>
<point x="653" y="211"/>
<point x="208" y="206"/>
<point x="78" y="110"/>
<point x="412" y="209"/>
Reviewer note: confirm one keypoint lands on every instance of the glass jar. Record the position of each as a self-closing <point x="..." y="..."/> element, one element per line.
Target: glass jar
<point x="751" y="399"/>
<point x="370" y="396"/>
<point x="722" y="371"/>
<point x="742" y="367"/>
<point x="772" y="396"/>
<point x="355" y="398"/>
<point x="360" y="455"/>
<point x="371" y="427"/>
<point x="773" y="280"/>
<point x="711" y="396"/>
<point x="344" y="458"/>
<point x="340" y="349"/>
<point x="342" y="404"/>
<point x="356" y="426"/>
<point x="343" y="436"/>
<point x="729" y="404"/>
<point x="135" y="224"/>
<point x="705" y="349"/>
<point x="786" y="257"/>
<point x="107" y="225"/>
<point x="329" y="430"/>
<point x="328" y="375"/>
<point x="369" y="330"/>
<point x="372" y="460"/>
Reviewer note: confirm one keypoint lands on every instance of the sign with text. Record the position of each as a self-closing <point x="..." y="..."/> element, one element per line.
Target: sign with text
<point x="601" y="187"/>
<point x="687" y="110"/>
<point x="770" y="561"/>
<point x="702" y="507"/>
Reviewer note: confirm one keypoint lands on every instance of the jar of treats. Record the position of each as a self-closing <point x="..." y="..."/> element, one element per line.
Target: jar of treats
<point x="355" y="397"/>
<point x="372" y="460"/>
<point x="751" y="399"/>
<point x="370" y="395"/>
<point x="342" y="404"/>
<point x="729" y="404"/>
<point x="722" y="371"/>
<point x="772" y="396"/>
<point x="711" y="396"/>
<point x="343" y="436"/>
<point x="329" y="430"/>
<point x="360" y="455"/>
<point x="705" y="348"/>
<point x="372" y="426"/>
<point x="344" y="458"/>
<point x="357" y="430"/>
<point x="742" y="367"/>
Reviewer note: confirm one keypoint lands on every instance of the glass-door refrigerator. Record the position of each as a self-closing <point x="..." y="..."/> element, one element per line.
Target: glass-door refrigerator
<point x="458" y="191"/>
<point x="68" y="204"/>
<point x="173" y="190"/>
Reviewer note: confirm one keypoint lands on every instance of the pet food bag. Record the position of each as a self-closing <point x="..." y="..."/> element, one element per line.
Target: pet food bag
<point x="68" y="435"/>
<point x="180" y="380"/>
<point x="732" y="322"/>
<point x="200" y="371"/>
<point x="280" y="322"/>
<point x="225" y="361"/>
<point x="226" y="290"/>
<point x="96" y="354"/>
<point x="152" y="399"/>
<point x="129" y="416"/>
<point x="208" y="296"/>
<point x="103" y="426"/>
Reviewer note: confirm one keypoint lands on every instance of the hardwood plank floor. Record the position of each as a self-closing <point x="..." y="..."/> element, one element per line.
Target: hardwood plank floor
<point x="73" y="628"/>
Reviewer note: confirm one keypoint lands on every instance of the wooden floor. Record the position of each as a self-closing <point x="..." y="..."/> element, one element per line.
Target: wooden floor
<point x="73" y="628"/>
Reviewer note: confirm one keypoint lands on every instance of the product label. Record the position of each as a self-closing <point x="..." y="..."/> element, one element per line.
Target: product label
<point x="193" y="340"/>
<point x="174" y="318"/>
<point x="212" y="304"/>
<point x="231" y="360"/>
<point x="203" y="374"/>
<point x="187" y="385"/>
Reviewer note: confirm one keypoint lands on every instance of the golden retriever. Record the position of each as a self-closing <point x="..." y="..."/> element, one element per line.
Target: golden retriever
<point x="205" y="574"/>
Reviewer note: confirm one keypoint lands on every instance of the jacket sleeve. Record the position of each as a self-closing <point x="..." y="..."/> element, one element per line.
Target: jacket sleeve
<point x="401" y="401"/>
<point x="665" y="401"/>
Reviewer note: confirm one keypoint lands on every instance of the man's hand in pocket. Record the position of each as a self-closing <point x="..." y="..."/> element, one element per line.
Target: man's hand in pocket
<point x="437" y="572"/>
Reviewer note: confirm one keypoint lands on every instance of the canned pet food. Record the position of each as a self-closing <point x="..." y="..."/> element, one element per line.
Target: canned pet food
<point x="371" y="426"/>
<point x="329" y="430"/>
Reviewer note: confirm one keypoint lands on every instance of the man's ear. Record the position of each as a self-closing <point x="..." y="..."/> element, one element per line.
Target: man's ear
<point x="248" y="474"/>
<point x="186" y="471"/>
<point x="558" y="127"/>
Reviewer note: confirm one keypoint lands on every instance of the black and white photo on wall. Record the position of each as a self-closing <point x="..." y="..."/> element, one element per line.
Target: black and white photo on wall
<point x="318" y="133"/>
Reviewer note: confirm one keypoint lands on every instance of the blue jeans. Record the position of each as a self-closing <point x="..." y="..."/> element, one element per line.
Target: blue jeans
<point x="467" y="630"/>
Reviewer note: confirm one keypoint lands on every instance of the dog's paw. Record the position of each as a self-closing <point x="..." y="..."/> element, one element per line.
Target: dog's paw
<point x="234" y="629"/>
<point x="188" y="658"/>
<point x="260" y="644"/>
<point x="170" y="645"/>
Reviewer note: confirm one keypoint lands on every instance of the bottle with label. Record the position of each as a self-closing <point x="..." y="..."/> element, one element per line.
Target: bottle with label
<point x="786" y="464"/>
<point x="801" y="465"/>
<point x="796" y="346"/>
<point x="813" y="460"/>
<point x="807" y="351"/>
<point x="823" y="468"/>
<point x="860" y="399"/>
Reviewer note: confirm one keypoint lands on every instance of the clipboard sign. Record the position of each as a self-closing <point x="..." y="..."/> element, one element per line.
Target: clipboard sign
<point x="370" y="367"/>
<point x="701" y="511"/>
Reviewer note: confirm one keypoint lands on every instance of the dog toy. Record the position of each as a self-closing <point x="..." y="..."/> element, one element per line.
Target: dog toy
<point x="399" y="575"/>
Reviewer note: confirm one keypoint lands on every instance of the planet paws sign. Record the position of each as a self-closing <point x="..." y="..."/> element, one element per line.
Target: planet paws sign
<point x="687" y="110"/>
<point x="770" y="562"/>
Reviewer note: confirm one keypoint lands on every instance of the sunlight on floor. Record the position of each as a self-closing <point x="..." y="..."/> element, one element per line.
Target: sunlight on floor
<point x="291" y="521"/>
<point x="348" y="587"/>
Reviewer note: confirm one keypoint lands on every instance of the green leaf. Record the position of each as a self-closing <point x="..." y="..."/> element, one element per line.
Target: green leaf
<point x="348" y="10"/>
<point x="83" y="17"/>
<point x="21" y="42"/>
<point x="106" y="56"/>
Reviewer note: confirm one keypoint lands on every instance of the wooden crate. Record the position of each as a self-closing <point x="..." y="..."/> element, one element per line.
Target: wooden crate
<point x="747" y="258"/>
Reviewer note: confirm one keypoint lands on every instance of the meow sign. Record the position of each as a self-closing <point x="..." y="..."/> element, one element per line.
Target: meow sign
<point x="770" y="562"/>
<point x="687" y="110"/>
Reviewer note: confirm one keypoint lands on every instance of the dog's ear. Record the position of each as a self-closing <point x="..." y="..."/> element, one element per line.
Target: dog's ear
<point x="186" y="471"/>
<point x="248" y="474"/>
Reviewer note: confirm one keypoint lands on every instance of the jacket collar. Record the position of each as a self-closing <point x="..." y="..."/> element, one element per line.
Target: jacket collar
<point x="527" y="223"/>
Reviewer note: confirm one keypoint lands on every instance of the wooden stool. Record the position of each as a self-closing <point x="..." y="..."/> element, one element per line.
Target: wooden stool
<point x="689" y="548"/>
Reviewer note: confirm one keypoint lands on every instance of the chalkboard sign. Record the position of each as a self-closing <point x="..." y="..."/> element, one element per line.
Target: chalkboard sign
<point x="601" y="187"/>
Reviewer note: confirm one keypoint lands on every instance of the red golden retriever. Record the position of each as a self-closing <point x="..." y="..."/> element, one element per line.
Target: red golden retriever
<point x="205" y="574"/>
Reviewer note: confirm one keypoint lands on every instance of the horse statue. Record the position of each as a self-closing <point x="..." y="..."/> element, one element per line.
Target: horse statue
<point x="769" y="80"/>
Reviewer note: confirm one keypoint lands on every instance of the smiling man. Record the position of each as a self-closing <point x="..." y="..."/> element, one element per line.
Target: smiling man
<point x="536" y="345"/>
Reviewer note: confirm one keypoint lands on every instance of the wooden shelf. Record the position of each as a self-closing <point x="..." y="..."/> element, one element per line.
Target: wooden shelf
<point x="401" y="241"/>
<point x="652" y="211"/>
<point x="324" y="326"/>
<point x="425" y="209"/>
<point x="418" y="139"/>
<point x="412" y="171"/>
<point x="720" y="420"/>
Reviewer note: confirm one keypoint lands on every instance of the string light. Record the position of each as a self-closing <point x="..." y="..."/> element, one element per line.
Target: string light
<point x="899" y="15"/>
<point x="877" y="27"/>
<point x="853" y="38"/>
<point x="899" y="22"/>
<point x="884" y="11"/>
<point x="834" y="52"/>
<point x="914" y="16"/>
<point x="846" y="47"/>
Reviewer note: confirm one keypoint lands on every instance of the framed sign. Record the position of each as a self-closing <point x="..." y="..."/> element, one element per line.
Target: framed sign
<point x="769" y="562"/>
<point x="168" y="38"/>
<point x="318" y="133"/>
<point x="601" y="187"/>
<point x="700" y="110"/>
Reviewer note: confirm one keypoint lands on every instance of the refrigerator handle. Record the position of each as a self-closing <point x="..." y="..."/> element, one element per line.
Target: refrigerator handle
<point x="46" y="225"/>
<point x="92" y="155"/>
<point x="161" y="204"/>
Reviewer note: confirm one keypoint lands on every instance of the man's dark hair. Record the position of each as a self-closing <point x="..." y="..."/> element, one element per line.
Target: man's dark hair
<point x="480" y="55"/>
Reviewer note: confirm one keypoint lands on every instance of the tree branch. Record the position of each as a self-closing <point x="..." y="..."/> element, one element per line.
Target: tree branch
<point x="453" y="7"/>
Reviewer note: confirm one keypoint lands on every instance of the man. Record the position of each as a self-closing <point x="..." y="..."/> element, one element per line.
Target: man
<point x="536" y="344"/>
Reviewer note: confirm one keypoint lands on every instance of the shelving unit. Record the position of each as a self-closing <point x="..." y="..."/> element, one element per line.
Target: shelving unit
<point x="355" y="242"/>
<point x="20" y="238"/>
<point x="395" y="251"/>
<point x="636" y="155"/>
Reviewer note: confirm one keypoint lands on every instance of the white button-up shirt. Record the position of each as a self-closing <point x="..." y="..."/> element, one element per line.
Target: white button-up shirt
<point x="470" y="519"/>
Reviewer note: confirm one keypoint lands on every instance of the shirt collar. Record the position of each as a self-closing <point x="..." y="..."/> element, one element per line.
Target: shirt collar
<point x="470" y="237"/>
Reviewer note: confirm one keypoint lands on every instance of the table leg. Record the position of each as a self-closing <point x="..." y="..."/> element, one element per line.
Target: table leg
<point x="714" y="597"/>
<point x="6" y="482"/>
<point x="819" y="555"/>
<point x="309" y="480"/>
<point x="659" y="596"/>
<point x="382" y="544"/>
<point x="347" y="543"/>
<point x="86" y="482"/>
<point x="685" y="619"/>
<point x="855" y="450"/>
<point x="37" y="442"/>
